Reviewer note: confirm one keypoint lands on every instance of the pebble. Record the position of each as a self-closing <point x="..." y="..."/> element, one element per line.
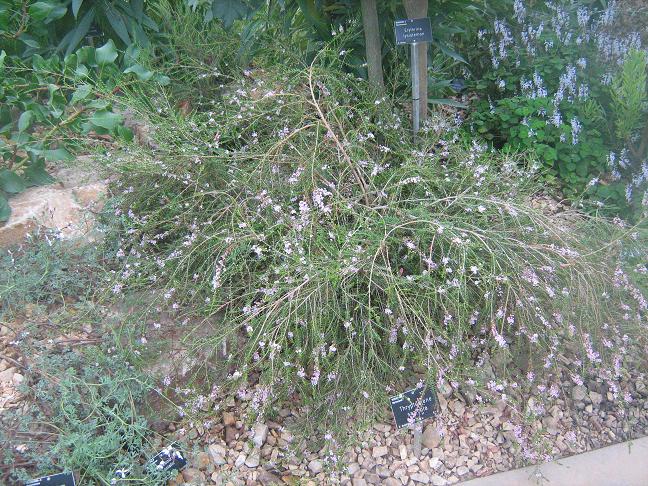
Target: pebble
<point x="402" y="450"/>
<point x="202" y="460"/>
<point x="218" y="453"/>
<point x="253" y="458"/>
<point x="259" y="434"/>
<point x="438" y="480"/>
<point x="229" y="418"/>
<point x="578" y="393"/>
<point x="420" y="477"/>
<point x="7" y="375"/>
<point x="380" y="451"/>
<point x="596" y="398"/>
<point x="193" y="476"/>
<point x="431" y="437"/>
<point x="230" y="434"/>
<point x="240" y="460"/>
<point x="316" y="466"/>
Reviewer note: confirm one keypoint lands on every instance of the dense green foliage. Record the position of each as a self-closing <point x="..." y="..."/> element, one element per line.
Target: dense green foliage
<point x="47" y="99"/>
<point x="61" y="26"/>
<point x="559" y="82"/>
<point x="90" y="421"/>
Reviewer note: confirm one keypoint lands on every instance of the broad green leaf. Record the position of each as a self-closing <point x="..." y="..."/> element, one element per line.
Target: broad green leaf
<point x="36" y="175"/>
<point x="72" y="38"/>
<point x="81" y="71"/>
<point x="149" y="23"/>
<point x="142" y="73"/>
<point x="106" y="54"/>
<point x="5" y="210"/>
<point x="229" y="10"/>
<point x="76" y="5"/>
<point x="46" y="11"/>
<point x="314" y="16"/>
<point x="125" y="133"/>
<point x="28" y="40"/>
<point x="98" y="104"/>
<point x="5" y="16"/>
<point x="11" y="182"/>
<point x="162" y="79"/>
<point x="131" y="54"/>
<point x="106" y="119"/>
<point x="138" y="9"/>
<point x="57" y="154"/>
<point x="81" y="93"/>
<point x="3" y="54"/>
<point x="449" y="52"/>
<point x="25" y="120"/>
<point x="117" y="23"/>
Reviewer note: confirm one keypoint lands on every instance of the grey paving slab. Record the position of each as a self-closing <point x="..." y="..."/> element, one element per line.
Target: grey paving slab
<point x="624" y="464"/>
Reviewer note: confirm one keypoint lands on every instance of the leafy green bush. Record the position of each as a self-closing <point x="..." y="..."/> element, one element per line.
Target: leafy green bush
<point x="45" y="98"/>
<point x="339" y="256"/>
<point x="44" y="102"/>
<point x="570" y="153"/>
<point x="629" y="92"/>
<point x="557" y="73"/>
<point x="48" y="26"/>
<point x="89" y="420"/>
<point x="46" y="271"/>
<point x="308" y="26"/>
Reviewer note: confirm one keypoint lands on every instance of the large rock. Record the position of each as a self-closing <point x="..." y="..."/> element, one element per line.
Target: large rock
<point x="253" y="459"/>
<point x="259" y="434"/>
<point x="193" y="476"/>
<point x="67" y="206"/>
<point x="431" y="437"/>
<point x="218" y="454"/>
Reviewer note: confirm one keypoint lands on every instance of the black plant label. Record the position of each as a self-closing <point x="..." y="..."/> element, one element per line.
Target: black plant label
<point x="414" y="406"/>
<point x="61" y="479"/>
<point x="169" y="458"/>
<point x="413" y="31"/>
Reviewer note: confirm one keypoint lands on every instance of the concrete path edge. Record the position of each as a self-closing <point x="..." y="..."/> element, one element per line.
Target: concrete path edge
<point x="623" y="464"/>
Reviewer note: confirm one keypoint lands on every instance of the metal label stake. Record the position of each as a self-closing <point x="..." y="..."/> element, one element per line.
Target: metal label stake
<point x="416" y="107"/>
<point x="414" y="32"/>
<point x="418" y="434"/>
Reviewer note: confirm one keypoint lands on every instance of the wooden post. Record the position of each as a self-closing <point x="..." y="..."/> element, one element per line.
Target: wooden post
<point x="373" y="43"/>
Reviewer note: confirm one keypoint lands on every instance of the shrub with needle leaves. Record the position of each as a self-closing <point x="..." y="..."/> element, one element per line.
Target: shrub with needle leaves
<point x="339" y="255"/>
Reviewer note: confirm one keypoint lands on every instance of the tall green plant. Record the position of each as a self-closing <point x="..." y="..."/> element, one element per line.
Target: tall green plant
<point x="629" y="93"/>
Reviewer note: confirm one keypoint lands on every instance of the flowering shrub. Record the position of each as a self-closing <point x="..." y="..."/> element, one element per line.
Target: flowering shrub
<point x="338" y="256"/>
<point x="554" y="84"/>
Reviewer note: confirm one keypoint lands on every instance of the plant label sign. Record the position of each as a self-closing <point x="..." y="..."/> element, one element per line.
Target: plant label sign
<point x="414" y="406"/>
<point x="61" y="479"/>
<point x="167" y="459"/>
<point x="413" y="31"/>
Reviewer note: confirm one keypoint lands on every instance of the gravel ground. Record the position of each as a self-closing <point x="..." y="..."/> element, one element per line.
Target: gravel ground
<point x="467" y="439"/>
<point x="463" y="442"/>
